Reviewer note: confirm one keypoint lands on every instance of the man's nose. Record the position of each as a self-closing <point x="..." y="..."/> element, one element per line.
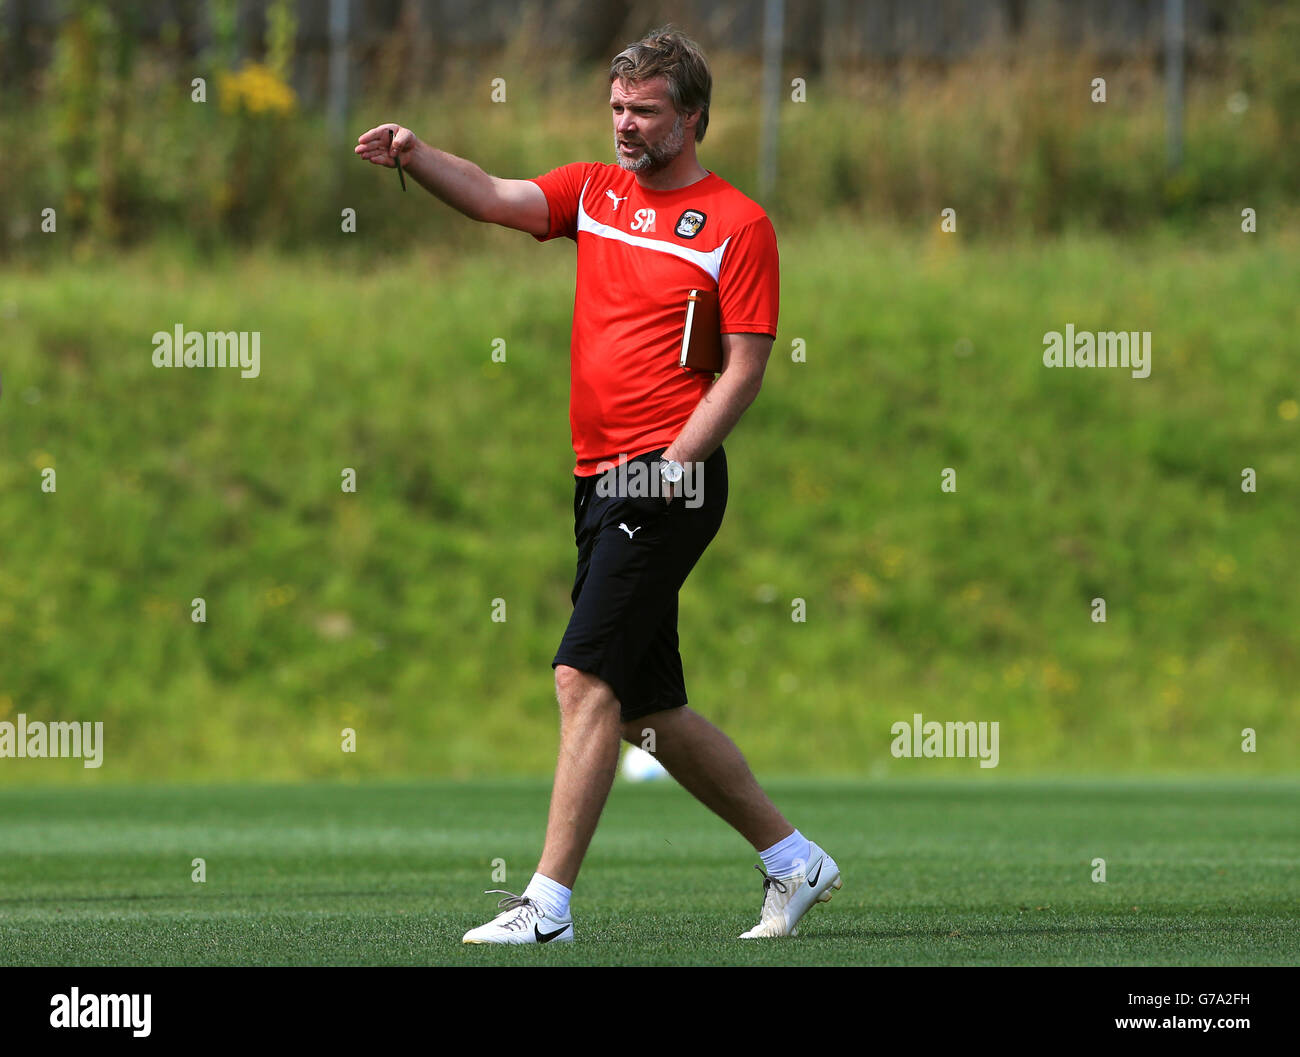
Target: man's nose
<point x="625" y="124"/>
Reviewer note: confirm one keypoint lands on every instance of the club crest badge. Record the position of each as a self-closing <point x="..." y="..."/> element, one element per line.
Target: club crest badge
<point x="690" y="223"/>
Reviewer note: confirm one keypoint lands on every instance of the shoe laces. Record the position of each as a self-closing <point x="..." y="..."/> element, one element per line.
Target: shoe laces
<point x="771" y="882"/>
<point x="772" y="902"/>
<point x="513" y="902"/>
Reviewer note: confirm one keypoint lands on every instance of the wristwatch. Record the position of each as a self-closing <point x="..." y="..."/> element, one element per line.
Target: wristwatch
<point x="670" y="471"/>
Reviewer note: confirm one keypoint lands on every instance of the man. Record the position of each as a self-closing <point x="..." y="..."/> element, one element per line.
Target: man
<point x="649" y="230"/>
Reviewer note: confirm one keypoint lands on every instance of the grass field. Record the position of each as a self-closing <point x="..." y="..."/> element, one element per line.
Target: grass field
<point x="950" y="873"/>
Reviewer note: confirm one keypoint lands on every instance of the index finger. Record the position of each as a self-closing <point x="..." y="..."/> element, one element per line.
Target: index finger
<point x="375" y="134"/>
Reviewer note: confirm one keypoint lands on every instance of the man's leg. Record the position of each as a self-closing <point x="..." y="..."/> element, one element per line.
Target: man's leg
<point x="584" y="771"/>
<point x="797" y="873"/>
<point x="708" y="765"/>
<point x="633" y="555"/>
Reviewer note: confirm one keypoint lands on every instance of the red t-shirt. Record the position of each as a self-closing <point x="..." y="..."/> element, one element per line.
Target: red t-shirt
<point x="640" y="253"/>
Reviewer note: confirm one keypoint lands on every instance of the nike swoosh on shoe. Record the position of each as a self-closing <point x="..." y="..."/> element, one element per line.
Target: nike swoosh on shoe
<point x="546" y="937"/>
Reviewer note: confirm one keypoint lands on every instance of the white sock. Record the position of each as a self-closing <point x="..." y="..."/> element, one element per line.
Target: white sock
<point x="787" y="857"/>
<point x="550" y="895"/>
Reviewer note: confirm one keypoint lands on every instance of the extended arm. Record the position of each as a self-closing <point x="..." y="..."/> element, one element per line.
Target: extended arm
<point x="517" y="204"/>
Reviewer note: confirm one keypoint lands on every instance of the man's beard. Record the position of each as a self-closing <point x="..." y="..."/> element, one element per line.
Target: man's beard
<point x="654" y="157"/>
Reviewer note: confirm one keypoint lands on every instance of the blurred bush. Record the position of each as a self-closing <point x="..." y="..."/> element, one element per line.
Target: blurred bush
<point x="1013" y="142"/>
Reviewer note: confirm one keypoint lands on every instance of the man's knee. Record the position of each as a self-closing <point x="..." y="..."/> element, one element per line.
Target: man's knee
<point x="576" y="689"/>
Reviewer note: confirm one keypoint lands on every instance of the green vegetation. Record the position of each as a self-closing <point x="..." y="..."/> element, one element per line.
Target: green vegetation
<point x="962" y="873"/>
<point x="372" y="610"/>
<point x="112" y="138"/>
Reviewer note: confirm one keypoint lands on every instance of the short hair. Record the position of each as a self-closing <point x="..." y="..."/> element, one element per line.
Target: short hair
<point x="670" y="54"/>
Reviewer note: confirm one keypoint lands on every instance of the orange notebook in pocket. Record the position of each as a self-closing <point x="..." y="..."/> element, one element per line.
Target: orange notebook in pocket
<point x="702" y="334"/>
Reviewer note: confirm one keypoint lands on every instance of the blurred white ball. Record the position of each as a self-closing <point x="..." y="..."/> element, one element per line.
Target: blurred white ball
<point x="640" y="766"/>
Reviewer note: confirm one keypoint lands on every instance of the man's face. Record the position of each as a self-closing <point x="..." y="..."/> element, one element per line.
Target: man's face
<point x="648" y="132"/>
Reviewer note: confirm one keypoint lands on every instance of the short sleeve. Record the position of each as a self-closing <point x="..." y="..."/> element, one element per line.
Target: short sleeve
<point x="562" y="188"/>
<point x="749" y="284"/>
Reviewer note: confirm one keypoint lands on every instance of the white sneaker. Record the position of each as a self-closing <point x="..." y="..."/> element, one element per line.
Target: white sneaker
<point x="787" y="899"/>
<point x="520" y="921"/>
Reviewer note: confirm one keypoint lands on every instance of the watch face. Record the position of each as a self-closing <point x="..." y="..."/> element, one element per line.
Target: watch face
<point x="671" y="471"/>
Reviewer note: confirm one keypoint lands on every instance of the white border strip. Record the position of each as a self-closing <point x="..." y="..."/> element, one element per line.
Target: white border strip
<point x="710" y="263"/>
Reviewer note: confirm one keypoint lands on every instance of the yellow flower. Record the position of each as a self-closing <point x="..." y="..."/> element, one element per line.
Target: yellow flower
<point x="1288" y="410"/>
<point x="256" y="89"/>
<point x="1224" y="568"/>
<point x="1057" y="680"/>
<point x="892" y="562"/>
<point x="158" y="606"/>
<point x="280" y="596"/>
<point x="864" y="586"/>
<point x="275" y="597"/>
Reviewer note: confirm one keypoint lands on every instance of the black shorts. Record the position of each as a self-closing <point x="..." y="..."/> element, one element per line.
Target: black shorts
<point x="634" y="554"/>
